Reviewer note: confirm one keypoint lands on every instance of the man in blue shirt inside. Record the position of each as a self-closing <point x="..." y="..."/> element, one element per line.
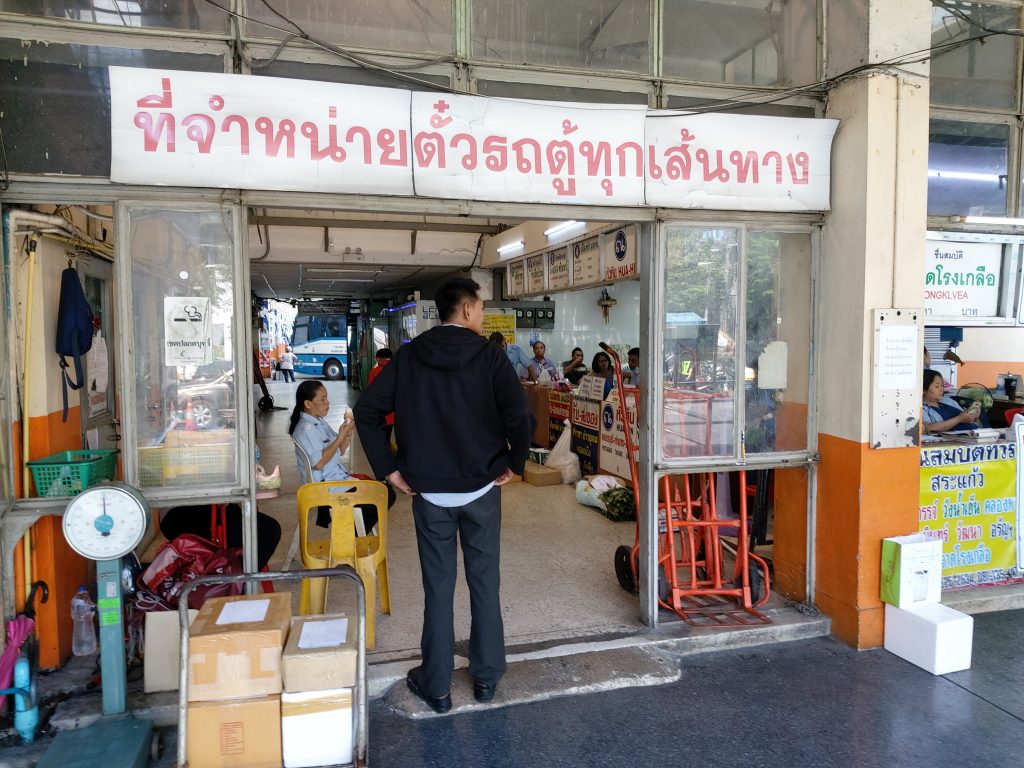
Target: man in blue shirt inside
<point x="519" y="359"/>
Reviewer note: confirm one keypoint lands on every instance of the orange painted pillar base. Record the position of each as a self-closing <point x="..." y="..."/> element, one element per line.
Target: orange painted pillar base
<point x="864" y="496"/>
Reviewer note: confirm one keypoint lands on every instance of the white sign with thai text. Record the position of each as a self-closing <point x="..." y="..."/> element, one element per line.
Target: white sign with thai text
<point x="739" y="162"/>
<point x="962" y="279"/>
<point x="239" y="131"/>
<point x="188" y="335"/>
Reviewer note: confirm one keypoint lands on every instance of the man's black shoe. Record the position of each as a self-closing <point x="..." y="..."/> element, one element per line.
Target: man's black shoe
<point x="484" y="691"/>
<point x="439" y="704"/>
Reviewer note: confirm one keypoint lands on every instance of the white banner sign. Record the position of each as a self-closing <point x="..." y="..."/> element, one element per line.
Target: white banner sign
<point x="227" y="131"/>
<point x="962" y="279"/>
<point x="188" y="337"/>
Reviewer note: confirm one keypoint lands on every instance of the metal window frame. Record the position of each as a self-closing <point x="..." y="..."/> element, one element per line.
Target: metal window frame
<point x="654" y="395"/>
<point x="244" y="492"/>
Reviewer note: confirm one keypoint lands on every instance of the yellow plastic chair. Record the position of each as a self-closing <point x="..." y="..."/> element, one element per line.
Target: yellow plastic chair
<point x="305" y="475"/>
<point x="367" y="554"/>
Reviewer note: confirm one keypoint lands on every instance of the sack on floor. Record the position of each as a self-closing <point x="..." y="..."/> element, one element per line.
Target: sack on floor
<point x="183" y="559"/>
<point x="563" y="459"/>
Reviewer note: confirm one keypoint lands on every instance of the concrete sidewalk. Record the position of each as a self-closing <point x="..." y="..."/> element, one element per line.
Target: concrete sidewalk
<point x="806" y="704"/>
<point x="755" y="699"/>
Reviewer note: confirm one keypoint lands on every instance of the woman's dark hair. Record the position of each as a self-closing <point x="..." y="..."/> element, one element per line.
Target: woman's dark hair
<point x="383" y="354"/>
<point x="929" y="377"/>
<point x="598" y="356"/>
<point x="306" y="391"/>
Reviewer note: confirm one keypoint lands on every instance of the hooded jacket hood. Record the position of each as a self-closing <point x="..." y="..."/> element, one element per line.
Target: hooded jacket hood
<point x="448" y="347"/>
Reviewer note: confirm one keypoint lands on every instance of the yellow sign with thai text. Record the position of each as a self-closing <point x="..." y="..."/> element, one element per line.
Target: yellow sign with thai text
<point x="968" y="499"/>
<point x="500" y="321"/>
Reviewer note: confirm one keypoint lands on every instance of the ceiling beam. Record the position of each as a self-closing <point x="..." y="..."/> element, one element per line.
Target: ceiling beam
<point x="484" y="229"/>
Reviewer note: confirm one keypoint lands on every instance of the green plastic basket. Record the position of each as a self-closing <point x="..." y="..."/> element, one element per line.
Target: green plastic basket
<point x="70" y="472"/>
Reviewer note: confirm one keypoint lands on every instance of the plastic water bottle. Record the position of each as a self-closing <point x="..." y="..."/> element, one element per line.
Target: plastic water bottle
<point x="83" y="611"/>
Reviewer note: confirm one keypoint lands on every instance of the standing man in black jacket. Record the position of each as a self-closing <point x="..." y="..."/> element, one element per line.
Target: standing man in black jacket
<point x="464" y="431"/>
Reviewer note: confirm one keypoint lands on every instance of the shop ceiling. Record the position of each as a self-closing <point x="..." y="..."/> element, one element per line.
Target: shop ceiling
<point x="296" y="255"/>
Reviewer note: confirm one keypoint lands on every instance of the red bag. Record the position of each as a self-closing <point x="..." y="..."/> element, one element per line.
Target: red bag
<point x="185" y="558"/>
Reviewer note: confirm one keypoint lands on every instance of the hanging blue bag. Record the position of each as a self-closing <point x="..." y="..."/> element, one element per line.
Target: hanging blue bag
<point x="74" y="329"/>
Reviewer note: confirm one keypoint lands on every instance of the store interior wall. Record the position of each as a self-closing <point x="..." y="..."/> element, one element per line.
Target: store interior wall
<point x="52" y="560"/>
<point x="579" y="322"/>
<point x="987" y="352"/>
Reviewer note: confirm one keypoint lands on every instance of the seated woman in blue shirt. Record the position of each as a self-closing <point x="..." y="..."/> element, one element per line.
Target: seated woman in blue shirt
<point x="324" y="446"/>
<point x="940" y="413"/>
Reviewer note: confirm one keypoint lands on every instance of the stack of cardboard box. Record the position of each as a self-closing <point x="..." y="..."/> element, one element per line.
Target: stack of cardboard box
<point x="234" y="675"/>
<point x="918" y="627"/>
<point x="319" y="664"/>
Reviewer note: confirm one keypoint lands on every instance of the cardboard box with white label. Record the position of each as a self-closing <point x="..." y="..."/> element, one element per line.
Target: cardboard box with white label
<point x="235" y="644"/>
<point x="320" y="654"/>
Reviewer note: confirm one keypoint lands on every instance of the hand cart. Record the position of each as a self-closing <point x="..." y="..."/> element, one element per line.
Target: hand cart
<point x="690" y="580"/>
<point x="360" y="709"/>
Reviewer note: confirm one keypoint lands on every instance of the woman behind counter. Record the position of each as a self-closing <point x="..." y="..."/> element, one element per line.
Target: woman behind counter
<point x="943" y="414"/>
<point x="602" y="366"/>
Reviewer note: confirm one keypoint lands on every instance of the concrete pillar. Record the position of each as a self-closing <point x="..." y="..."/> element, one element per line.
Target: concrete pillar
<point x="873" y="257"/>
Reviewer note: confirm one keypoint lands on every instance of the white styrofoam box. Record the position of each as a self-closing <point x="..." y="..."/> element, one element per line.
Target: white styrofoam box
<point x="911" y="570"/>
<point x="930" y="635"/>
<point x="316" y="728"/>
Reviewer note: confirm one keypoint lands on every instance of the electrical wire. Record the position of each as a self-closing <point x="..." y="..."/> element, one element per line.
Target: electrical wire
<point x="897" y="62"/>
<point x="751" y="98"/>
<point x="395" y="72"/>
<point x="951" y="9"/>
<point x="5" y="174"/>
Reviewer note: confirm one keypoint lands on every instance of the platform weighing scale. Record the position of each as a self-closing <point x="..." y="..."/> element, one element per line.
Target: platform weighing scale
<point x="104" y="523"/>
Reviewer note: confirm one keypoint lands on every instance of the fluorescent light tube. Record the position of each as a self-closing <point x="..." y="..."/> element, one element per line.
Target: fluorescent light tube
<point x="510" y="247"/>
<point x="562" y="227"/>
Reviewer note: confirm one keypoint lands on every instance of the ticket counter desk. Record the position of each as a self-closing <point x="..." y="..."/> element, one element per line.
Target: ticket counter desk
<point x="968" y="499"/>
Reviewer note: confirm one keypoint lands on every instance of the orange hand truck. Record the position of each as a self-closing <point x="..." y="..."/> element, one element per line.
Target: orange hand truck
<point x="691" y="548"/>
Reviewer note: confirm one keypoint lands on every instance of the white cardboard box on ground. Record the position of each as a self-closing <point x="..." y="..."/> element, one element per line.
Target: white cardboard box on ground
<point x="161" y="663"/>
<point x="911" y="570"/>
<point x="316" y="728"/>
<point x="930" y="635"/>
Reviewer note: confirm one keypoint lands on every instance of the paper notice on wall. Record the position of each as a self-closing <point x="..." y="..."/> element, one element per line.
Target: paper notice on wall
<point x="243" y="611"/>
<point x="188" y="332"/>
<point x="323" y="634"/>
<point x="97" y="366"/>
<point x="898" y="352"/>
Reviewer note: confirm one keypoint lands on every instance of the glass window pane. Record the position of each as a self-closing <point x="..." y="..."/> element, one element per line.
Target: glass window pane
<point x="778" y="337"/>
<point x="591" y="34"/>
<point x="747" y="43"/>
<point x="43" y="86"/>
<point x="701" y="285"/>
<point x="389" y="25"/>
<point x="351" y="75"/>
<point x="193" y="15"/>
<point x="978" y="74"/>
<point x="967" y="168"/>
<point x="545" y="92"/>
<point x="181" y="286"/>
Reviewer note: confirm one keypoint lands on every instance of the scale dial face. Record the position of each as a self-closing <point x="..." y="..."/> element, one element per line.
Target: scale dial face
<point x="106" y="522"/>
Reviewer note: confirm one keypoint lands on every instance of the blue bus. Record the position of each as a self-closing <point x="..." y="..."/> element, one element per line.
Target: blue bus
<point x="320" y="342"/>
